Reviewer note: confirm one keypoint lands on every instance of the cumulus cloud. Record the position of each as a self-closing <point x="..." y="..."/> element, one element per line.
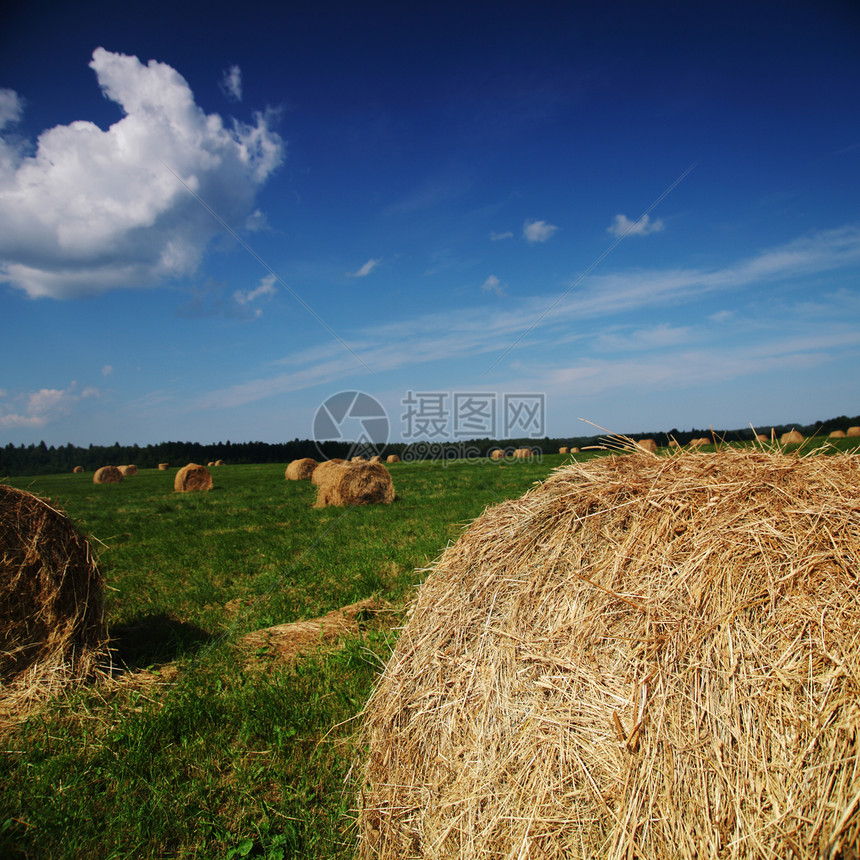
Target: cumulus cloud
<point x="94" y="210"/>
<point x="623" y="226"/>
<point x="38" y="408"/>
<point x="493" y="285"/>
<point x="231" y="84"/>
<point x="366" y="269"/>
<point x="538" y="231"/>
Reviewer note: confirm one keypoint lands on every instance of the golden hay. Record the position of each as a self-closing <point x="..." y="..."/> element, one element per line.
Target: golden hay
<point x="497" y="454"/>
<point x="837" y="434"/>
<point x="523" y="453"/>
<point x="648" y="445"/>
<point x="219" y="462"/>
<point x="356" y="484"/>
<point x="192" y="477"/>
<point x="697" y="443"/>
<point x="320" y="474"/>
<point x="392" y="458"/>
<point x="574" y="450"/>
<point x="376" y="458"/>
<point x="210" y="464"/>
<point x="78" y="470"/>
<point x="853" y="431"/>
<point x="107" y="475"/>
<point x="51" y="618"/>
<point x="564" y="450"/>
<point x="163" y="467"/>
<point x="358" y="459"/>
<point x="643" y="657"/>
<point x="760" y="437"/>
<point x="673" y="443"/>
<point x="301" y="470"/>
<point x="128" y="471"/>
<point x="793" y="437"/>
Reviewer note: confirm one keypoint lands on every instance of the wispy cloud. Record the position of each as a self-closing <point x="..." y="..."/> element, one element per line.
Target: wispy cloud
<point x="265" y="288"/>
<point x="538" y="231"/>
<point x="107" y="370"/>
<point x="231" y="84"/>
<point x="623" y="226"/>
<point x="494" y="285"/>
<point x="10" y="108"/>
<point x="497" y="237"/>
<point x="366" y="269"/>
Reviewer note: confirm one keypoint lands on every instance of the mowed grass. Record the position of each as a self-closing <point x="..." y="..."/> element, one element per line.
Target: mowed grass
<point x="195" y="751"/>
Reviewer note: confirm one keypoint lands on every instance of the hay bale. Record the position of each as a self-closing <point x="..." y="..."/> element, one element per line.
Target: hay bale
<point x="836" y="434"/>
<point x="210" y="464"/>
<point x="128" y="471"/>
<point x="356" y="484"/>
<point x="163" y="467"/>
<point x="78" y="470"/>
<point x="376" y="458"/>
<point x="392" y="458"/>
<point x="673" y="443"/>
<point x="497" y="454"/>
<point x="523" y="453"/>
<point x="51" y="617"/>
<point x="301" y="470"/>
<point x="648" y="445"/>
<point x="853" y="431"/>
<point x="358" y="459"/>
<point x="697" y="443"/>
<point x="219" y="462"/>
<point x="107" y="475"/>
<point x="321" y="473"/>
<point x="793" y="437"/>
<point x="192" y="477"/>
<point x="564" y="450"/>
<point x="642" y="657"/>
<point x="574" y="450"/>
<point x="761" y="437"/>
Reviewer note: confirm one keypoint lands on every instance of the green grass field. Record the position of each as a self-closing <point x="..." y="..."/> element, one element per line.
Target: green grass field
<point x="226" y="759"/>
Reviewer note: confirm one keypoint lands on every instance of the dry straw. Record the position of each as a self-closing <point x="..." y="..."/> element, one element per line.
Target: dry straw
<point x="644" y="657"/>
<point x="192" y="477"/>
<point x="51" y="618"/>
<point x="356" y="484"/>
<point x="321" y="472"/>
<point x="301" y="470"/>
<point x="107" y="475"/>
<point x="648" y="445"/>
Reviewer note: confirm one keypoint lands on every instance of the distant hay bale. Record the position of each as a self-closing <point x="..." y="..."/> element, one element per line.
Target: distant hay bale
<point x="761" y="437"/>
<point x="219" y="462"/>
<point x="107" y="475"/>
<point x="356" y="484"/>
<point x="673" y="443"/>
<point x="564" y="450"/>
<point x="358" y="459"/>
<point x="853" y="431"/>
<point x="210" y="464"/>
<point x="128" y="471"/>
<point x="163" y="467"/>
<point x="641" y="657"/>
<point x="191" y="478"/>
<point x="392" y="458"/>
<point x="376" y="458"/>
<point x="697" y="443"/>
<point x="51" y="617"/>
<point x="78" y="470"/>
<point x="837" y="434"/>
<point x="793" y="437"/>
<point x="301" y="470"/>
<point x="321" y="473"/>
<point x="523" y="453"/>
<point x="648" y="445"/>
<point x="497" y="454"/>
<point x="574" y="450"/>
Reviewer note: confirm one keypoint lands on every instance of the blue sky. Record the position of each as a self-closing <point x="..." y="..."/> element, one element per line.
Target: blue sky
<point x="213" y="217"/>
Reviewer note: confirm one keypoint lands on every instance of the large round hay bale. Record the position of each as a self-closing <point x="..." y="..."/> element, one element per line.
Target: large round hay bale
<point x="574" y="450"/>
<point x="392" y="458"/>
<point x="163" y="467"/>
<point x="51" y="618"/>
<point x="192" y="477"/>
<point x="301" y="470"/>
<point x="219" y="462"/>
<point x="673" y="443"/>
<point x="793" y="437"/>
<point x="128" y="471"/>
<point x="107" y="475"/>
<point x="836" y="434"/>
<point x="78" y="470"/>
<point x="564" y="450"/>
<point x="497" y="454"/>
<point x="761" y="437"/>
<point x="523" y="453"/>
<point x="648" y="445"/>
<point x="853" y="431"/>
<point x="697" y="443"/>
<point x="321" y="473"/>
<point x="642" y="657"/>
<point x="356" y="484"/>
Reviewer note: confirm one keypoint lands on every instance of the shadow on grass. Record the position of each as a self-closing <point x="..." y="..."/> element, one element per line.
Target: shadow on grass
<point x="154" y="639"/>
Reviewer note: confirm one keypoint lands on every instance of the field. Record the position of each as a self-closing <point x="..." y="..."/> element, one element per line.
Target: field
<point x="201" y="749"/>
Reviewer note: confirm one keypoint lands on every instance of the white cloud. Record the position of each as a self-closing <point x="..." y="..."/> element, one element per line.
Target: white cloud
<point x="266" y="288"/>
<point x="10" y="107"/>
<point x="721" y="316"/>
<point x="38" y="408"/>
<point x="256" y="221"/>
<point x="538" y="231"/>
<point x="107" y="370"/>
<point x="496" y="237"/>
<point x="623" y="226"/>
<point x="366" y="269"/>
<point x="493" y="285"/>
<point x="97" y="210"/>
<point x="231" y="84"/>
